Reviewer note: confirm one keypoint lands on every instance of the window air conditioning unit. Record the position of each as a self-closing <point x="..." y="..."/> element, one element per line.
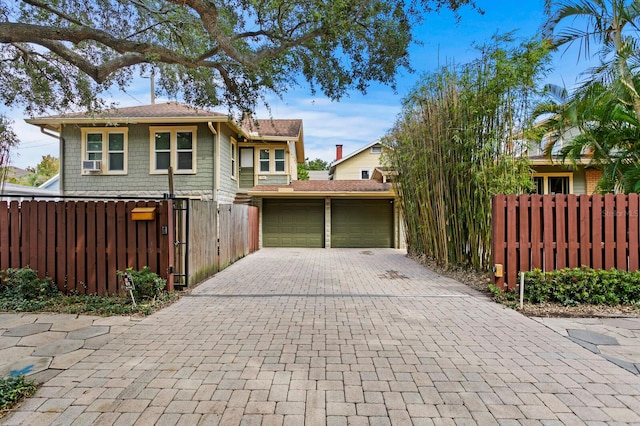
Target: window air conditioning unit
<point x="91" y="165"/>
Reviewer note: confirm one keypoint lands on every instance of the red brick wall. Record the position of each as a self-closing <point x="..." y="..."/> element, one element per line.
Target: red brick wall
<point x="592" y="176"/>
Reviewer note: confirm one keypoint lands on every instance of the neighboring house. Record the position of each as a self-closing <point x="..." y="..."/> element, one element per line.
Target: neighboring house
<point x="359" y="165"/>
<point x="15" y="192"/>
<point x="15" y="173"/>
<point x="53" y="184"/>
<point x="128" y="151"/>
<point x="553" y="176"/>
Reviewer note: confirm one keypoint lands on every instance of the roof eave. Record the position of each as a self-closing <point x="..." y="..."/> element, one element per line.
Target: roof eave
<point x="556" y="162"/>
<point x="323" y="194"/>
<point x="124" y="120"/>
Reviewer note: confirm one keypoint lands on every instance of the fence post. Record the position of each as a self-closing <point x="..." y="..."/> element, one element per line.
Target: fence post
<point x="497" y="242"/>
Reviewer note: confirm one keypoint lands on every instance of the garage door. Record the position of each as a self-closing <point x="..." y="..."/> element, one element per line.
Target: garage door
<point x="361" y="223"/>
<point x="293" y="223"/>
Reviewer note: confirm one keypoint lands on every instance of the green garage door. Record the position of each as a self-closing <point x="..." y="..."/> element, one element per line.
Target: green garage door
<point x="361" y="223"/>
<point x="293" y="223"/>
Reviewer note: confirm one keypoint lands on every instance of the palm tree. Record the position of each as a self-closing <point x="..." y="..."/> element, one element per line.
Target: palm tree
<point x="606" y="107"/>
<point x="612" y="25"/>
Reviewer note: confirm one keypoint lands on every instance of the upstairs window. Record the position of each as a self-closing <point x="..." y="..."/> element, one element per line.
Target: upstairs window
<point x="233" y="158"/>
<point x="553" y="183"/>
<point x="365" y="174"/>
<point x="264" y="160"/>
<point x="173" y="147"/>
<point x="115" y="152"/>
<point x="279" y="160"/>
<point x="106" y="145"/>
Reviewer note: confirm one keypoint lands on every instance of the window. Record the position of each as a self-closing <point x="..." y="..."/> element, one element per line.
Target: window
<point x="115" y="152"/>
<point x="376" y="149"/>
<point x="108" y="145"/>
<point x="365" y="174"/>
<point x="553" y="183"/>
<point x="94" y="146"/>
<point x="558" y="185"/>
<point x="173" y="147"/>
<point x="233" y="158"/>
<point x="264" y="160"/>
<point x="279" y="160"/>
<point x="538" y="182"/>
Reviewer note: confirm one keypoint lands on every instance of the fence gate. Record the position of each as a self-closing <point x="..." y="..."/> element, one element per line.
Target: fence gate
<point x="181" y="242"/>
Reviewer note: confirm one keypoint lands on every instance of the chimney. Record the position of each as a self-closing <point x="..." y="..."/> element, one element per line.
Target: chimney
<point x="338" y="152"/>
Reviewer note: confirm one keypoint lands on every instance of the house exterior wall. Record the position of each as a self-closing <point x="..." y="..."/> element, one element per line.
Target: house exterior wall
<point x="271" y="177"/>
<point x="592" y="176"/>
<point x="138" y="181"/>
<point x="228" y="185"/>
<point x="350" y="168"/>
<point x="293" y="162"/>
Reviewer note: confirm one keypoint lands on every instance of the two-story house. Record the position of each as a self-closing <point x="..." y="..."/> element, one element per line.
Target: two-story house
<point x="128" y="152"/>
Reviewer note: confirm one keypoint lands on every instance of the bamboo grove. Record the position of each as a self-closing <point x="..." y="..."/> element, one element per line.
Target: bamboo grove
<point x="457" y="142"/>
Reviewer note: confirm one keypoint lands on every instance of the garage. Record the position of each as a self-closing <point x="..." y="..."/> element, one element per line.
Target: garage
<point x="361" y="223"/>
<point x="293" y="223"/>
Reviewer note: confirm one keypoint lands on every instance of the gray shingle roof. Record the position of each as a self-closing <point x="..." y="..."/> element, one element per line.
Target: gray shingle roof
<point x="164" y="110"/>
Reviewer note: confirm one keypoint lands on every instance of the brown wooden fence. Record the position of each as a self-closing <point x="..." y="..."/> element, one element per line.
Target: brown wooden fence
<point x="218" y="236"/>
<point x="558" y="231"/>
<point x="82" y="244"/>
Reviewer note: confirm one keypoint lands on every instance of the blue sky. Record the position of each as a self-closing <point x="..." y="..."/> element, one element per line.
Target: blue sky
<point x="359" y="119"/>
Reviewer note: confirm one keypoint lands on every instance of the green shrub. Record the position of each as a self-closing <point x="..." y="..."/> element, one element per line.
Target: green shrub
<point x="147" y="284"/>
<point x="13" y="389"/>
<point x="22" y="290"/>
<point x="582" y="286"/>
<point x="25" y="283"/>
<point x="509" y="298"/>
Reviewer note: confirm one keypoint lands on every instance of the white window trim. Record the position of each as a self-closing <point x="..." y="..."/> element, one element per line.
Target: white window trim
<point x="377" y="148"/>
<point x="545" y="180"/>
<point x="234" y="159"/>
<point x="173" y="130"/>
<point x="260" y="161"/>
<point x="284" y="159"/>
<point x="369" y="171"/>
<point x="105" y="131"/>
<point x="272" y="161"/>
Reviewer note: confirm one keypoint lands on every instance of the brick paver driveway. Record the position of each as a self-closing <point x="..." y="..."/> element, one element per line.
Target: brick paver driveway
<point x="294" y="336"/>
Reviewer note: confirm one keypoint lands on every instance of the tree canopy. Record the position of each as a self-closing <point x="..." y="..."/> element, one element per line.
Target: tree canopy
<point x="63" y="54"/>
<point x="47" y="168"/>
<point x="317" y="164"/>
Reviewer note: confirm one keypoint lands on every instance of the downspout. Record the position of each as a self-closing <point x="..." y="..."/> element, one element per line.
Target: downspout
<point x="216" y="149"/>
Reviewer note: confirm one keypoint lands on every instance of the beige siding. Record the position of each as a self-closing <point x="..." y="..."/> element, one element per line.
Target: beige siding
<point x="350" y="169"/>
